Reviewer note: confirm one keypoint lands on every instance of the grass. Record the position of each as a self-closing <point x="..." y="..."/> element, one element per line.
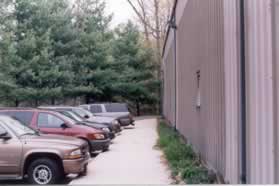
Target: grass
<point x="181" y="157"/>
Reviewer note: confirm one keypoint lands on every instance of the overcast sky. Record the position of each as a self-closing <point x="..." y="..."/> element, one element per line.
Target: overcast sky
<point x="121" y="10"/>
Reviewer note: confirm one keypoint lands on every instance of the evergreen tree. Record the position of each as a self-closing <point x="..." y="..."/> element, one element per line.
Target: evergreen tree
<point x="92" y="56"/>
<point x="133" y="62"/>
<point x="49" y="51"/>
<point x="37" y="71"/>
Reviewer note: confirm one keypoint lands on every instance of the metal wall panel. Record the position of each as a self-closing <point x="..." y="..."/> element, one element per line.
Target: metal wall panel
<point x="232" y="109"/>
<point x="169" y="85"/>
<point x="208" y="42"/>
<point x="200" y="48"/>
<point x="260" y="98"/>
<point x="275" y="6"/>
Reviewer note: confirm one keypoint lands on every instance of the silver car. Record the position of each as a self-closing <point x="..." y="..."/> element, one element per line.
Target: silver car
<point x="116" y="110"/>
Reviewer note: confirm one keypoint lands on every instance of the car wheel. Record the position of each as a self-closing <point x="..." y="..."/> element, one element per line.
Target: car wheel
<point x="106" y="149"/>
<point x="44" y="172"/>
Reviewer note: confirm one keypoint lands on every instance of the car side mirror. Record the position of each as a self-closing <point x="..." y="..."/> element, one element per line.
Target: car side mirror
<point x="5" y="136"/>
<point x="64" y="126"/>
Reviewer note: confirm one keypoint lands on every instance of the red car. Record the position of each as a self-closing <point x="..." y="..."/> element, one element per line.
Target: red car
<point x="50" y="122"/>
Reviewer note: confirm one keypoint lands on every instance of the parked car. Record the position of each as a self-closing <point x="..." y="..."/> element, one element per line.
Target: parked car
<point x="88" y="116"/>
<point x="50" y="122"/>
<point x="118" y="110"/>
<point x="79" y="120"/>
<point x="43" y="159"/>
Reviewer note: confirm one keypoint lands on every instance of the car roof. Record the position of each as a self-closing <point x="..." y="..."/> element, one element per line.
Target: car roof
<point x="25" y="110"/>
<point x="104" y="104"/>
<point x="17" y="108"/>
<point x="56" y="107"/>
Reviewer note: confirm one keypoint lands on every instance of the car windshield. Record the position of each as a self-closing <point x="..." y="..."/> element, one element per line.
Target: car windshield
<point x="82" y="112"/>
<point x="76" y="116"/>
<point x="19" y="128"/>
<point x="65" y="118"/>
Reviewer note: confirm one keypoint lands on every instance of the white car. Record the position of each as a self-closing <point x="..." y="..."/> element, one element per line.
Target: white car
<point x="116" y="110"/>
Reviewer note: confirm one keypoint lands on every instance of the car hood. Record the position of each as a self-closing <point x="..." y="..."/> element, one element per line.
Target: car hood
<point x="97" y="125"/>
<point x="87" y="128"/>
<point x="55" y="139"/>
<point x="92" y="124"/>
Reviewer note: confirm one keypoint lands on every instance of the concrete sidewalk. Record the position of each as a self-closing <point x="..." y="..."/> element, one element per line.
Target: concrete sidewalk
<point x="132" y="159"/>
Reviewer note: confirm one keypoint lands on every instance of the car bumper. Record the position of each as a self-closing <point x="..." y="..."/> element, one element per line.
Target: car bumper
<point x="99" y="145"/>
<point x="116" y="128"/>
<point x="76" y="166"/>
<point x="111" y="135"/>
<point x="126" y="122"/>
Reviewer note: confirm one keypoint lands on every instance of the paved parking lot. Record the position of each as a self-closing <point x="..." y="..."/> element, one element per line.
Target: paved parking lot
<point x="132" y="159"/>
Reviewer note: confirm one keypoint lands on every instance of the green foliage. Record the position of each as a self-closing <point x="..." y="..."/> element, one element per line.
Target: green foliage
<point x="182" y="159"/>
<point x="49" y="51"/>
<point x="133" y="63"/>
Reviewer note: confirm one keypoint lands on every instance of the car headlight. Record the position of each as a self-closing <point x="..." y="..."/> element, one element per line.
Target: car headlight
<point x="76" y="154"/>
<point x="115" y="122"/>
<point x="99" y="136"/>
<point x="106" y="129"/>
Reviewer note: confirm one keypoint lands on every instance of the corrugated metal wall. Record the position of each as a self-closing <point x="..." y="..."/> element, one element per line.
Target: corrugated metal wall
<point x="232" y="84"/>
<point x="260" y="97"/>
<point x="200" y="48"/>
<point x="208" y="42"/>
<point x="169" y="85"/>
<point x="275" y="6"/>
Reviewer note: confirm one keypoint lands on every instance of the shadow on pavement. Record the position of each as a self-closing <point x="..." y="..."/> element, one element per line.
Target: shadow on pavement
<point x="22" y="182"/>
<point x="129" y="128"/>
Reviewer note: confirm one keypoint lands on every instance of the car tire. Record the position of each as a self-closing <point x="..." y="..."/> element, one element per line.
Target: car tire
<point x="44" y="172"/>
<point x="106" y="149"/>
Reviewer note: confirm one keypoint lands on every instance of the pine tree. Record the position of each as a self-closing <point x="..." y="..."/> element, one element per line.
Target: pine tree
<point x="91" y="58"/>
<point x="133" y="62"/>
<point x="50" y="51"/>
<point x="37" y="71"/>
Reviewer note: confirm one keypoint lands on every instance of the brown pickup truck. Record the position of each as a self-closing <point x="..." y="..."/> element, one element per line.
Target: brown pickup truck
<point x="42" y="159"/>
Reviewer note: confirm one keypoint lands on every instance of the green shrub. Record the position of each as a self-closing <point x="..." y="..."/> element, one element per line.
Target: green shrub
<point x="181" y="157"/>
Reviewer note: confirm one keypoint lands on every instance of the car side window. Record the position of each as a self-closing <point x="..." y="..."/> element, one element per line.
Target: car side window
<point x="49" y="121"/>
<point x="84" y="107"/>
<point x="96" y="109"/>
<point x="24" y="117"/>
<point x="116" y="107"/>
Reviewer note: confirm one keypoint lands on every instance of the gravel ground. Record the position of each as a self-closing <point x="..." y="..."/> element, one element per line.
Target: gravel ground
<point x="132" y="159"/>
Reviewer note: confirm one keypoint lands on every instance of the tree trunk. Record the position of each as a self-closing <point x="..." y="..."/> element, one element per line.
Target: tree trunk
<point x="75" y="100"/>
<point x="17" y="103"/>
<point x="158" y="46"/>
<point x="87" y="99"/>
<point x="138" y="108"/>
<point x="53" y="101"/>
<point x="37" y="103"/>
<point x="141" y="12"/>
<point x="158" y="36"/>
